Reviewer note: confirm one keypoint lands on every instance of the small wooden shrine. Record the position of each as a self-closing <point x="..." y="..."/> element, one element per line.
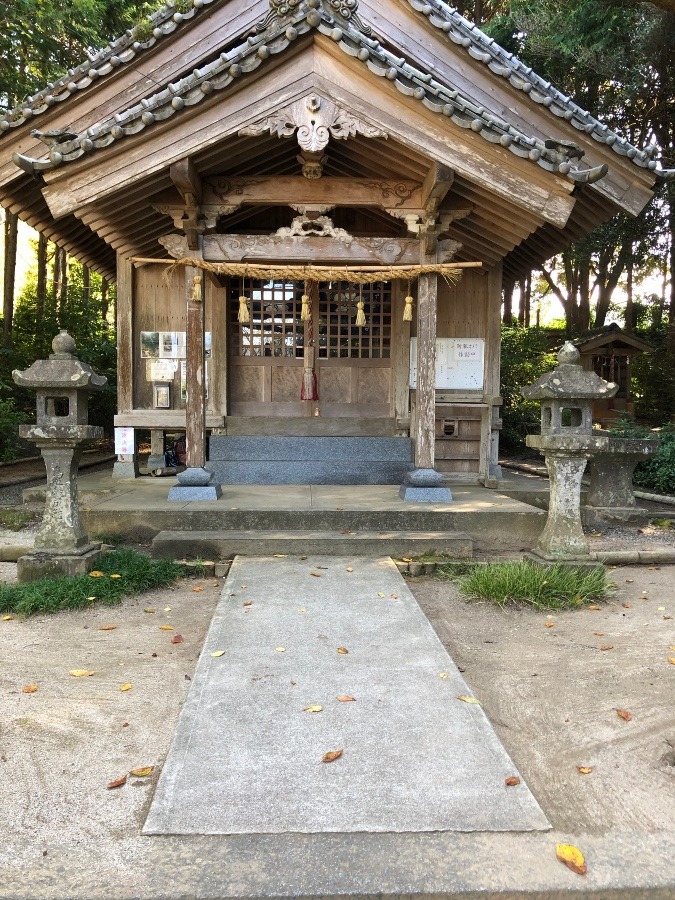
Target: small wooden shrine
<point x="310" y="208"/>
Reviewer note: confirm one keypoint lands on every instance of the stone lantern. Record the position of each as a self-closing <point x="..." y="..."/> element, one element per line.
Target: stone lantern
<point x="63" y="384"/>
<point x="567" y="442"/>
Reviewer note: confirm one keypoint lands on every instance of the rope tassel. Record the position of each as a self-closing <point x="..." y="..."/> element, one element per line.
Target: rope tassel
<point x="244" y="315"/>
<point x="408" y="309"/>
<point x="360" y="315"/>
<point x="309" y="390"/>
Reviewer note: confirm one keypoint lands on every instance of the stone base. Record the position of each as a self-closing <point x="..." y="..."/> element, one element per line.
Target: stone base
<point x="195" y="492"/>
<point x="123" y="469"/>
<point x="39" y="564"/>
<point x="155" y="462"/>
<point x="599" y="517"/>
<point x="414" y="494"/>
<point x="570" y="562"/>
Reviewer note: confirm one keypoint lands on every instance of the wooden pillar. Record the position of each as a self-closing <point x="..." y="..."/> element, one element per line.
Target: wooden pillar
<point x="195" y="425"/>
<point x="425" y="394"/>
<point x="125" y="331"/>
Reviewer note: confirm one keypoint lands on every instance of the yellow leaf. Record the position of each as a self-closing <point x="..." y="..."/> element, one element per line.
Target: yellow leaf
<point x="595" y="607"/>
<point x="248" y="603"/>
<point x="7" y="618"/>
<point x="607" y="646"/>
<point x="381" y="594"/>
<point x="468" y="699"/>
<point x="661" y="608"/>
<point x="350" y="569"/>
<point x="115" y="575"/>
<point x="316" y="574"/>
<point x="167" y="609"/>
<point x="218" y="653"/>
<point x="342" y="650"/>
<point x="549" y="624"/>
<point x="280" y="555"/>
<point x="96" y="574"/>
<point x="166" y="627"/>
<point x="143" y="772"/>
<point x="197" y="590"/>
<point x="107" y="627"/>
<point x="394" y="596"/>
<point x="345" y="698"/>
<point x="280" y="649"/>
<point x="671" y="660"/>
<point x="313" y="709"/>
<point x="30" y="689"/>
<point x="80" y="673"/>
<point x="572" y="857"/>
<point x="331" y="756"/>
<point x="599" y="633"/>
<point x="126" y="687"/>
<point x="150" y="610"/>
<point x="302" y="609"/>
<point x="584" y="770"/>
<point x="443" y="675"/>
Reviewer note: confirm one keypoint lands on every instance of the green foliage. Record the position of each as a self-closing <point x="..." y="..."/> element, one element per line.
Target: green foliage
<point x="525" y="584"/>
<point x="10" y="419"/>
<point x="525" y="355"/>
<point x="657" y="474"/>
<point x="138" y="574"/>
<point x="15" y="519"/>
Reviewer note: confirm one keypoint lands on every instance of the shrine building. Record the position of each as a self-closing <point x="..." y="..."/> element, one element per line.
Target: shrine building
<point x="310" y="209"/>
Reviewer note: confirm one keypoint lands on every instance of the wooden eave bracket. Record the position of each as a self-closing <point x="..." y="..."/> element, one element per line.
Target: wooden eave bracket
<point x="186" y="179"/>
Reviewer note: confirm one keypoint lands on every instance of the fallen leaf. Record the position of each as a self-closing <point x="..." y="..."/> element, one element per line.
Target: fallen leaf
<point x="331" y="756"/>
<point x="91" y="598"/>
<point x="280" y="555"/>
<point x="167" y="609"/>
<point x="549" y="624"/>
<point x="629" y="580"/>
<point x="660" y="608"/>
<point x="248" y="603"/>
<point x="512" y="781"/>
<point x="313" y="709"/>
<point x="593" y="606"/>
<point x="115" y="575"/>
<point x="572" y="857"/>
<point x="342" y="650"/>
<point x="667" y="617"/>
<point x="96" y="574"/>
<point x="302" y="557"/>
<point x="118" y="782"/>
<point x="599" y="633"/>
<point x="218" y="653"/>
<point x="126" y="687"/>
<point x="80" y="673"/>
<point x="7" y="618"/>
<point x="624" y="714"/>
<point x="381" y="594"/>
<point x="166" y="627"/>
<point x="107" y="627"/>
<point x="197" y="590"/>
<point x="143" y="772"/>
<point x="316" y="574"/>
<point x="345" y="531"/>
<point x="671" y="660"/>
<point x="280" y="649"/>
<point x="150" y="610"/>
<point x="394" y="596"/>
<point x="468" y="699"/>
<point x="301" y="609"/>
<point x="443" y="675"/>
<point x="345" y="698"/>
<point x="584" y="770"/>
<point x="30" y="689"/>
<point x="350" y="569"/>
<point x="607" y="646"/>
<point x="177" y="639"/>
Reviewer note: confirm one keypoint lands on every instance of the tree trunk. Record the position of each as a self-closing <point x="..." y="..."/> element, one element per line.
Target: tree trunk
<point x="629" y="321"/>
<point x="9" y="276"/>
<point x="41" y="288"/>
<point x="86" y="286"/>
<point x="527" y="300"/>
<point x="507" y="315"/>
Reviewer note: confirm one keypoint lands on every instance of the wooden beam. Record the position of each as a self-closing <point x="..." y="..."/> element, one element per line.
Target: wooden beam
<point x="436" y="185"/>
<point x="186" y="178"/>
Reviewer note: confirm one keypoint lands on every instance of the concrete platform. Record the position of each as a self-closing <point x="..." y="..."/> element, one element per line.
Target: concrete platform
<point x="227" y="544"/>
<point x="247" y="755"/>
<point x="140" y="509"/>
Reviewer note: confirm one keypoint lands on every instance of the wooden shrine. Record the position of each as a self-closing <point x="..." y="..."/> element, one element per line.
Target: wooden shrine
<point x="310" y="208"/>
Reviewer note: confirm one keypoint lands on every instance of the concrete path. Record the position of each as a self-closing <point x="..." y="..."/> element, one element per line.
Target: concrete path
<point x="247" y="756"/>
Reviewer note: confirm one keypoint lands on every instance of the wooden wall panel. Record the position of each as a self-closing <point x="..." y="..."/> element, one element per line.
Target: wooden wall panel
<point x="247" y="384"/>
<point x="374" y="386"/>
<point x="334" y="385"/>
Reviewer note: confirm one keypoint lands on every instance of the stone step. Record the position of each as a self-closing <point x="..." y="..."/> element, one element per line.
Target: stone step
<point x="345" y="471"/>
<point x="227" y="544"/>
<point x="249" y="448"/>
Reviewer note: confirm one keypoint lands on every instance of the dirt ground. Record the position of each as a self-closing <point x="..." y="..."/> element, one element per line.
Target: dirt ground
<point x="551" y="693"/>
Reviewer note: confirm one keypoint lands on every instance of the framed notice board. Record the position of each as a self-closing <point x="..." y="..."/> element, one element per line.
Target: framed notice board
<point x="459" y="363"/>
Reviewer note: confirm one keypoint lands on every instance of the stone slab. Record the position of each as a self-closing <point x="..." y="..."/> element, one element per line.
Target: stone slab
<point x="38" y="565"/>
<point x="247" y="759"/>
<point x="226" y="544"/>
<point x="414" y="494"/>
<point x="195" y="492"/>
<point x="339" y="472"/>
<point x="295" y="449"/>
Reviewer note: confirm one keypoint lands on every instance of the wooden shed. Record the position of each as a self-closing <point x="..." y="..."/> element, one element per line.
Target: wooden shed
<point x="308" y="165"/>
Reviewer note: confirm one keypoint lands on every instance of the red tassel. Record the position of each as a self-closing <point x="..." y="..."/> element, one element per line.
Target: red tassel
<point x="309" y="389"/>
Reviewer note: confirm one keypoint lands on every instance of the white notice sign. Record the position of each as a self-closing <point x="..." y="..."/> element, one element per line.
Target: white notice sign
<point x="124" y="441"/>
<point x="459" y="363"/>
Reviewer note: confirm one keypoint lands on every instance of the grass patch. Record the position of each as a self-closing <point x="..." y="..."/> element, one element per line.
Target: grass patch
<point x="524" y="584"/>
<point x="137" y="573"/>
<point x="663" y="523"/>
<point x="15" y="519"/>
<point x="454" y="571"/>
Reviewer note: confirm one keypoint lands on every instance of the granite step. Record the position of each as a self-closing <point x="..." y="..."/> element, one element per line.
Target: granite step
<point x="227" y="544"/>
<point x="309" y="471"/>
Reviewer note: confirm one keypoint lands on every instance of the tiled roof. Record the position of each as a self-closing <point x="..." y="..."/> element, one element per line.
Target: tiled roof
<point x="289" y="20"/>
